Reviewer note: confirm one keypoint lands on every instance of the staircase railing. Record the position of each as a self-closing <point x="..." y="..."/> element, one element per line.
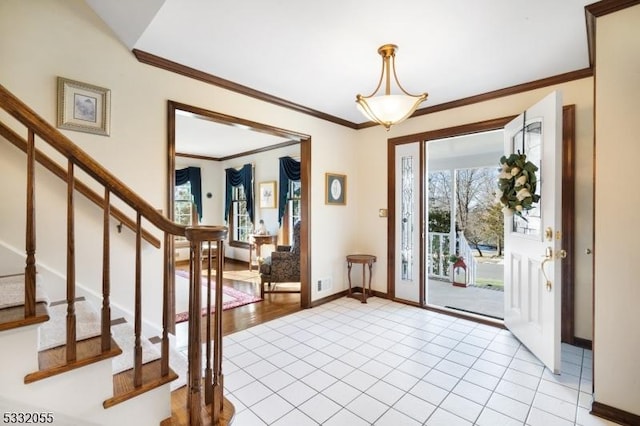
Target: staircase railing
<point x="196" y="235"/>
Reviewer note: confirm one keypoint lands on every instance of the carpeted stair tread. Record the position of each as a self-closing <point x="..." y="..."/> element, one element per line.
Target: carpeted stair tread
<point x="53" y="333"/>
<point x="123" y="333"/>
<point x="12" y="291"/>
<point x="12" y="303"/>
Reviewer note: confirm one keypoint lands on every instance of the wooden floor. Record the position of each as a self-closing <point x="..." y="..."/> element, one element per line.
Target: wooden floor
<point x="273" y="306"/>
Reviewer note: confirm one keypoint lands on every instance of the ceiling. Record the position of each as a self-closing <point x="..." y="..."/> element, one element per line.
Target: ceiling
<point x="320" y="54"/>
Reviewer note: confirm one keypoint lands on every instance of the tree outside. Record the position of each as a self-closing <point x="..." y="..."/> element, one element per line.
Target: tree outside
<point x="478" y="214"/>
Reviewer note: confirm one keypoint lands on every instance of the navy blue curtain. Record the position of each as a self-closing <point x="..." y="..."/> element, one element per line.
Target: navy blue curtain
<point x="289" y="170"/>
<point x="243" y="177"/>
<point x="192" y="174"/>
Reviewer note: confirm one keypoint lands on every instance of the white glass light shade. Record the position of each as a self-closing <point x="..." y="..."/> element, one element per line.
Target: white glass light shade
<point x="389" y="109"/>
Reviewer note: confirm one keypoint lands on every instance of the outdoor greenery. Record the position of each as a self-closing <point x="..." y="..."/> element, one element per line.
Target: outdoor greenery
<point x="517" y="184"/>
<point x="477" y="213"/>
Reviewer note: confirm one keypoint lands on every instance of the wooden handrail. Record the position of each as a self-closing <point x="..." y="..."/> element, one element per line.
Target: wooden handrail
<point x="196" y="235"/>
<point x="86" y="163"/>
<point x="91" y="195"/>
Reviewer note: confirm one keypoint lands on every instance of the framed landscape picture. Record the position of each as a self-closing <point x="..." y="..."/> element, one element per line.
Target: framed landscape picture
<point x="267" y="194"/>
<point x="83" y="107"/>
<point x="335" y="189"/>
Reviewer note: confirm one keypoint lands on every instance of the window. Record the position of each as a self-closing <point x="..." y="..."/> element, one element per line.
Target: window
<point x="182" y="204"/>
<point x="292" y="214"/>
<point x="240" y="223"/>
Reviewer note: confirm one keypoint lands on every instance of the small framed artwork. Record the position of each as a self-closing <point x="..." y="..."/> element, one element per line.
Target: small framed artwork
<point x="335" y="189"/>
<point x="267" y="194"/>
<point x="83" y="107"/>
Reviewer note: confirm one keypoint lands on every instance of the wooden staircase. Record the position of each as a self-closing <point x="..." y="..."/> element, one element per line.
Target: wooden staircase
<point x="75" y="379"/>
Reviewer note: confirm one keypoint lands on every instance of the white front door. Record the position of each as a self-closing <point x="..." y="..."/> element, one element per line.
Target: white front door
<point x="533" y="241"/>
<point x="407" y="223"/>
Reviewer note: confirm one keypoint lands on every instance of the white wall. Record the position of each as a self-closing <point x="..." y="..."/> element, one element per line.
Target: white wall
<point x="617" y="290"/>
<point x="370" y="187"/>
<point x="43" y="39"/>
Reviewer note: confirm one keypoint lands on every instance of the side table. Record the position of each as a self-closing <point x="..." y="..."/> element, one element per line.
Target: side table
<point x="364" y="260"/>
<point x="258" y="241"/>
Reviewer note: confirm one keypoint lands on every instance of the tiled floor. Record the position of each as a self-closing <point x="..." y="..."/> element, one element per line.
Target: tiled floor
<point x="385" y="363"/>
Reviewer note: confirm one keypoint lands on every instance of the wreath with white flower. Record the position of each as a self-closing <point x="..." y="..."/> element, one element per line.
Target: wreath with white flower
<point x="517" y="184"/>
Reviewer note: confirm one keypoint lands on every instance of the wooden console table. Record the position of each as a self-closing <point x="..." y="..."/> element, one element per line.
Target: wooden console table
<point x="364" y="259"/>
<point x="258" y="241"/>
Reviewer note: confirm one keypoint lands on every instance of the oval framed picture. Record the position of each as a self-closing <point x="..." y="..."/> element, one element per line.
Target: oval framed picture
<point x="335" y="189"/>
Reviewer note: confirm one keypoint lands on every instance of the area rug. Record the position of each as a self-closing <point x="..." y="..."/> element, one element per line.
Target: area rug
<point x="231" y="298"/>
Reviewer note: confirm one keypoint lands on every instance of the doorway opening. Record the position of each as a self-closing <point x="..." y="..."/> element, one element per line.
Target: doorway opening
<point x="464" y="264"/>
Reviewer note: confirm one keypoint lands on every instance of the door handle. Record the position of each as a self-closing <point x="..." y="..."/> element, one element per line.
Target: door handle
<point x="548" y="256"/>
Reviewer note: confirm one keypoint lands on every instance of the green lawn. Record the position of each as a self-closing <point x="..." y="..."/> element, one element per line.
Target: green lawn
<point x="485" y="282"/>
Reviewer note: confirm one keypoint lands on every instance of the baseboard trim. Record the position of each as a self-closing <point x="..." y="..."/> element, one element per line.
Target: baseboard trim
<point x="328" y="299"/>
<point x="614" y="414"/>
<point x="583" y="343"/>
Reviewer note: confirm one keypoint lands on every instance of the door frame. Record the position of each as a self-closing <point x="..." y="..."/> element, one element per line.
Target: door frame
<point x="305" y="199"/>
<point x="568" y="208"/>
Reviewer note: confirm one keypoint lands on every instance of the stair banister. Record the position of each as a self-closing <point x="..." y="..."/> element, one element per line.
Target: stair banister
<point x="76" y="157"/>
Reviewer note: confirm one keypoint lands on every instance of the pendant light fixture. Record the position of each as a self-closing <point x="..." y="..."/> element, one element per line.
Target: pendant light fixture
<point x="389" y="109"/>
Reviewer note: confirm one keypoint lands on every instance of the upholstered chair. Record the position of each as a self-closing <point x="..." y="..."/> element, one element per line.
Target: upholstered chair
<point x="282" y="266"/>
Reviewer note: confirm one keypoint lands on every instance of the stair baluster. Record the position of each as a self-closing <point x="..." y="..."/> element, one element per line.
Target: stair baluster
<point x="106" y="274"/>
<point x="30" y="239"/>
<point x="137" y="361"/>
<point x="71" y="268"/>
<point x="218" y="378"/>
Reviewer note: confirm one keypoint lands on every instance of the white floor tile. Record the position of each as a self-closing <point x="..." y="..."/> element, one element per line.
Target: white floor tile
<point x="515" y="391"/>
<point x="555" y="406"/>
<point x="443" y="380"/>
<point x="429" y="392"/>
<point x="556" y="390"/>
<point x="489" y="368"/>
<point x="396" y="418"/>
<point x="523" y="379"/>
<point x="297" y="393"/>
<point x="461" y="358"/>
<point x="319" y="380"/>
<point x="376" y="368"/>
<point x="295" y="418"/>
<point x="367" y="407"/>
<point x="341" y="393"/>
<point x="414" y="368"/>
<point x="508" y="406"/>
<point x="277" y="380"/>
<point x="489" y="417"/>
<point x="444" y="418"/>
<point x="359" y="380"/>
<point x="414" y="407"/>
<point x="451" y="368"/>
<point x="539" y="417"/>
<point x="384" y="363"/>
<point x="479" y="378"/>
<point x="345" y="417"/>
<point x="247" y="418"/>
<point x="252" y="393"/>
<point x="463" y="407"/>
<point x="384" y="392"/>
<point x="319" y="408"/>
<point x="472" y="392"/>
<point x="299" y="369"/>
<point x="271" y="408"/>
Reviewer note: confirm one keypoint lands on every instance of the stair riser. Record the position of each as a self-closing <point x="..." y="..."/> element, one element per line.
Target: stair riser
<point x="20" y="352"/>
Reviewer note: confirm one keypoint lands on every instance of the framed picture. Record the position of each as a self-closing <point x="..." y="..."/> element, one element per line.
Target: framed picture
<point x="267" y="194"/>
<point x="83" y="107"/>
<point x="335" y="189"/>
